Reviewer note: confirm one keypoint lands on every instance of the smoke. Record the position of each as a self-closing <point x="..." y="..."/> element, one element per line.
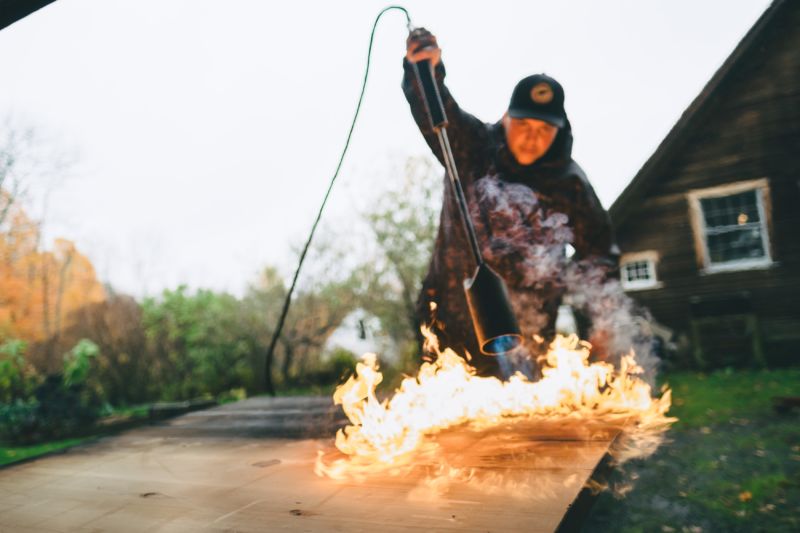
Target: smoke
<point x="619" y="325"/>
<point x="527" y="245"/>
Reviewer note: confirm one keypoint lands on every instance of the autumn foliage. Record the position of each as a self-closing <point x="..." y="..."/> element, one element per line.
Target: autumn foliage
<point x="40" y="289"/>
<point x="46" y="390"/>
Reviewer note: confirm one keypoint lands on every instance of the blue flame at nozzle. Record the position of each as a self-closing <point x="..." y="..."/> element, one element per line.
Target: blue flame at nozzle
<point x="501" y="345"/>
<point x="509" y="358"/>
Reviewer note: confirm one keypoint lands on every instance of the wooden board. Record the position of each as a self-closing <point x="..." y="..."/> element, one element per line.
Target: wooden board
<point x="206" y="471"/>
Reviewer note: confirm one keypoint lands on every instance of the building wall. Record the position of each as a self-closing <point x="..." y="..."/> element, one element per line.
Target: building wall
<point x="750" y="130"/>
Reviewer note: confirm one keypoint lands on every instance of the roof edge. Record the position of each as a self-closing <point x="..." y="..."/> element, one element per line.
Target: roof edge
<point x="13" y="10"/>
<point x="621" y="207"/>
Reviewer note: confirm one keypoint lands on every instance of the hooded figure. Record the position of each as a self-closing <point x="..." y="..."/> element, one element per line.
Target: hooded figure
<point x="525" y="215"/>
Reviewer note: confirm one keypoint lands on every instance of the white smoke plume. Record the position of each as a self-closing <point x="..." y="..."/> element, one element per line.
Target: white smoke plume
<point x="529" y="244"/>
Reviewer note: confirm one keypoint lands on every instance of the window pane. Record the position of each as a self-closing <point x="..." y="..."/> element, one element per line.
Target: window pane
<point x="637" y="271"/>
<point x="733" y="210"/>
<point x="734" y="230"/>
<point x="735" y="245"/>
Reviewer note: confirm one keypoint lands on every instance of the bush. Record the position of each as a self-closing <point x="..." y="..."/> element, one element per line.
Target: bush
<point x="342" y="364"/>
<point x="123" y="365"/>
<point x="233" y="395"/>
<point x="61" y="405"/>
<point x="199" y="343"/>
<point x="17" y="378"/>
<point x="18" y="421"/>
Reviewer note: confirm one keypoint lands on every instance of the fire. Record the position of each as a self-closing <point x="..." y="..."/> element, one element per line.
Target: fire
<point x="393" y="435"/>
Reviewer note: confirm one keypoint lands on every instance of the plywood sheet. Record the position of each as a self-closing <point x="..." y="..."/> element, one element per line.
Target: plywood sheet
<point x="208" y="472"/>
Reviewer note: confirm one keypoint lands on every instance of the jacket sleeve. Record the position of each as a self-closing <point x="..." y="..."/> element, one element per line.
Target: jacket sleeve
<point x="468" y="135"/>
<point x="594" y="236"/>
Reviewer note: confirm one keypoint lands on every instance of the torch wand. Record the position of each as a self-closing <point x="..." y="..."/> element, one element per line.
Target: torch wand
<point x="487" y="297"/>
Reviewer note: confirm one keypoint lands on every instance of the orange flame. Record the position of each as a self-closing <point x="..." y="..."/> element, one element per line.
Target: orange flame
<point x="390" y="436"/>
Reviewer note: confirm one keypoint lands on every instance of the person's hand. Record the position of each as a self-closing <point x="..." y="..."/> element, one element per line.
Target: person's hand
<point x="421" y="44"/>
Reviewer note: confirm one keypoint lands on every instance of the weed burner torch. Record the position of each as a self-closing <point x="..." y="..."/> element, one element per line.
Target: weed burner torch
<point x="487" y="297"/>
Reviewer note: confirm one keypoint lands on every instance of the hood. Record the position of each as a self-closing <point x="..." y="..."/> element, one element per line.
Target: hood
<point x="558" y="157"/>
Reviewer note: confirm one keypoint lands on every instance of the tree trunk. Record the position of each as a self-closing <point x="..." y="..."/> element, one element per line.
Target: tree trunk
<point x="270" y="358"/>
<point x="59" y="304"/>
<point x="288" y="354"/>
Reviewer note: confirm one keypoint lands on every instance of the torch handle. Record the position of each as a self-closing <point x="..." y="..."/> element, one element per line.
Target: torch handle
<point x="458" y="191"/>
<point x="435" y="108"/>
<point x="430" y="91"/>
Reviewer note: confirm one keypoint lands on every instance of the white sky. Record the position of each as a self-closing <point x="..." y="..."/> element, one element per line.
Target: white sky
<point x="206" y="131"/>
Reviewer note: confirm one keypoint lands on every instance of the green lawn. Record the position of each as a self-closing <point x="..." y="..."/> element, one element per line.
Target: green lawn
<point x="732" y="463"/>
<point x="704" y="399"/>
<point x="12" y="454"/>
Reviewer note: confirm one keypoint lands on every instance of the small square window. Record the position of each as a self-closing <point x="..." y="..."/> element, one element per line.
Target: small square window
<point x="638" y="271"/>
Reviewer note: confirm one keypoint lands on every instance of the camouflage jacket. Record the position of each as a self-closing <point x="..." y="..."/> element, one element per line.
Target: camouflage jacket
<point x="523" y="216"/>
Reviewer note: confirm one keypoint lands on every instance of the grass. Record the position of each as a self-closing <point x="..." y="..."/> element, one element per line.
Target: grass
<point x="136" y="411"/>
<point x="732" y="463"/>
<point x="705" y="399"/>
<point x="116" y="420"/>
<point x="12" y="454"/>
<point x="306" y="390"/>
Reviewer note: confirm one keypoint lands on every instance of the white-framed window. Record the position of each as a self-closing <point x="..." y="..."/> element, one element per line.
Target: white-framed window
<point x="731" y="226"/>
<point x="638" y="270"/>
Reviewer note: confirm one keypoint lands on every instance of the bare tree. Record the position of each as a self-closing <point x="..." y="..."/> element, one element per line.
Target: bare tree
<point x="31" y="166"/>
<point x="328" y="291"/>
<point x="403" y="221"/>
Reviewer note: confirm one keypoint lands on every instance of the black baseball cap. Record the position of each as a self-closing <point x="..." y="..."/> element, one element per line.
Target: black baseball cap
<point x="539" y="96"/>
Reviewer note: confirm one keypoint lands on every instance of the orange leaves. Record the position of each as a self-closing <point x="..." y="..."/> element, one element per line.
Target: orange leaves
<point x="40" y="288"/>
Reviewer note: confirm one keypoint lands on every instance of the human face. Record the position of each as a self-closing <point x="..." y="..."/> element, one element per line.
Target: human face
<point x="528" y="138"/>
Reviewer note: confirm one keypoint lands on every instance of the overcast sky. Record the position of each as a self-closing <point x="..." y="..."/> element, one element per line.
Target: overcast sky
<point x="205" y="132"/>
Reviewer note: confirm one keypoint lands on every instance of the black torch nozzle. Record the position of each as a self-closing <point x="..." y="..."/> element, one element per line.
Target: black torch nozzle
<point x="493" y="318"/>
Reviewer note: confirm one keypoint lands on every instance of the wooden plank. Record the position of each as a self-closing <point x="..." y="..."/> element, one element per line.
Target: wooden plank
<point x="190" y="475"/>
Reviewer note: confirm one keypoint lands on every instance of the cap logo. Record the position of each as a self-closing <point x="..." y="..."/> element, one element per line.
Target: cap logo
<point x="542" y="93"/>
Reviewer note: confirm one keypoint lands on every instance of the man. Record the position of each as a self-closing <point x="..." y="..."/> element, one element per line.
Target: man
<point x="528" y="200"/>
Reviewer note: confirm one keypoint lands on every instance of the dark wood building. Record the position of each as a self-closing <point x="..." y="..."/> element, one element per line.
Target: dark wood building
<point x="710" y="226"/>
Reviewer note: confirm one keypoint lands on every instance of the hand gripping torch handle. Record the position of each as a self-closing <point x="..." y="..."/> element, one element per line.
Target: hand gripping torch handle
<point x="430" y="90"/>
<point x="495" y="325"/>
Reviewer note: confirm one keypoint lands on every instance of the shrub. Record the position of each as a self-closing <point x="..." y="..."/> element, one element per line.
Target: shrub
<point x="17" y="378"/>
<point x="336" y="369"/>
<point x="199" y="343"/>
<point x="18" y="420"/>
<point x="77" y="362"/>
<point x="61" y="405"/>
<point x="342" y="364"/>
